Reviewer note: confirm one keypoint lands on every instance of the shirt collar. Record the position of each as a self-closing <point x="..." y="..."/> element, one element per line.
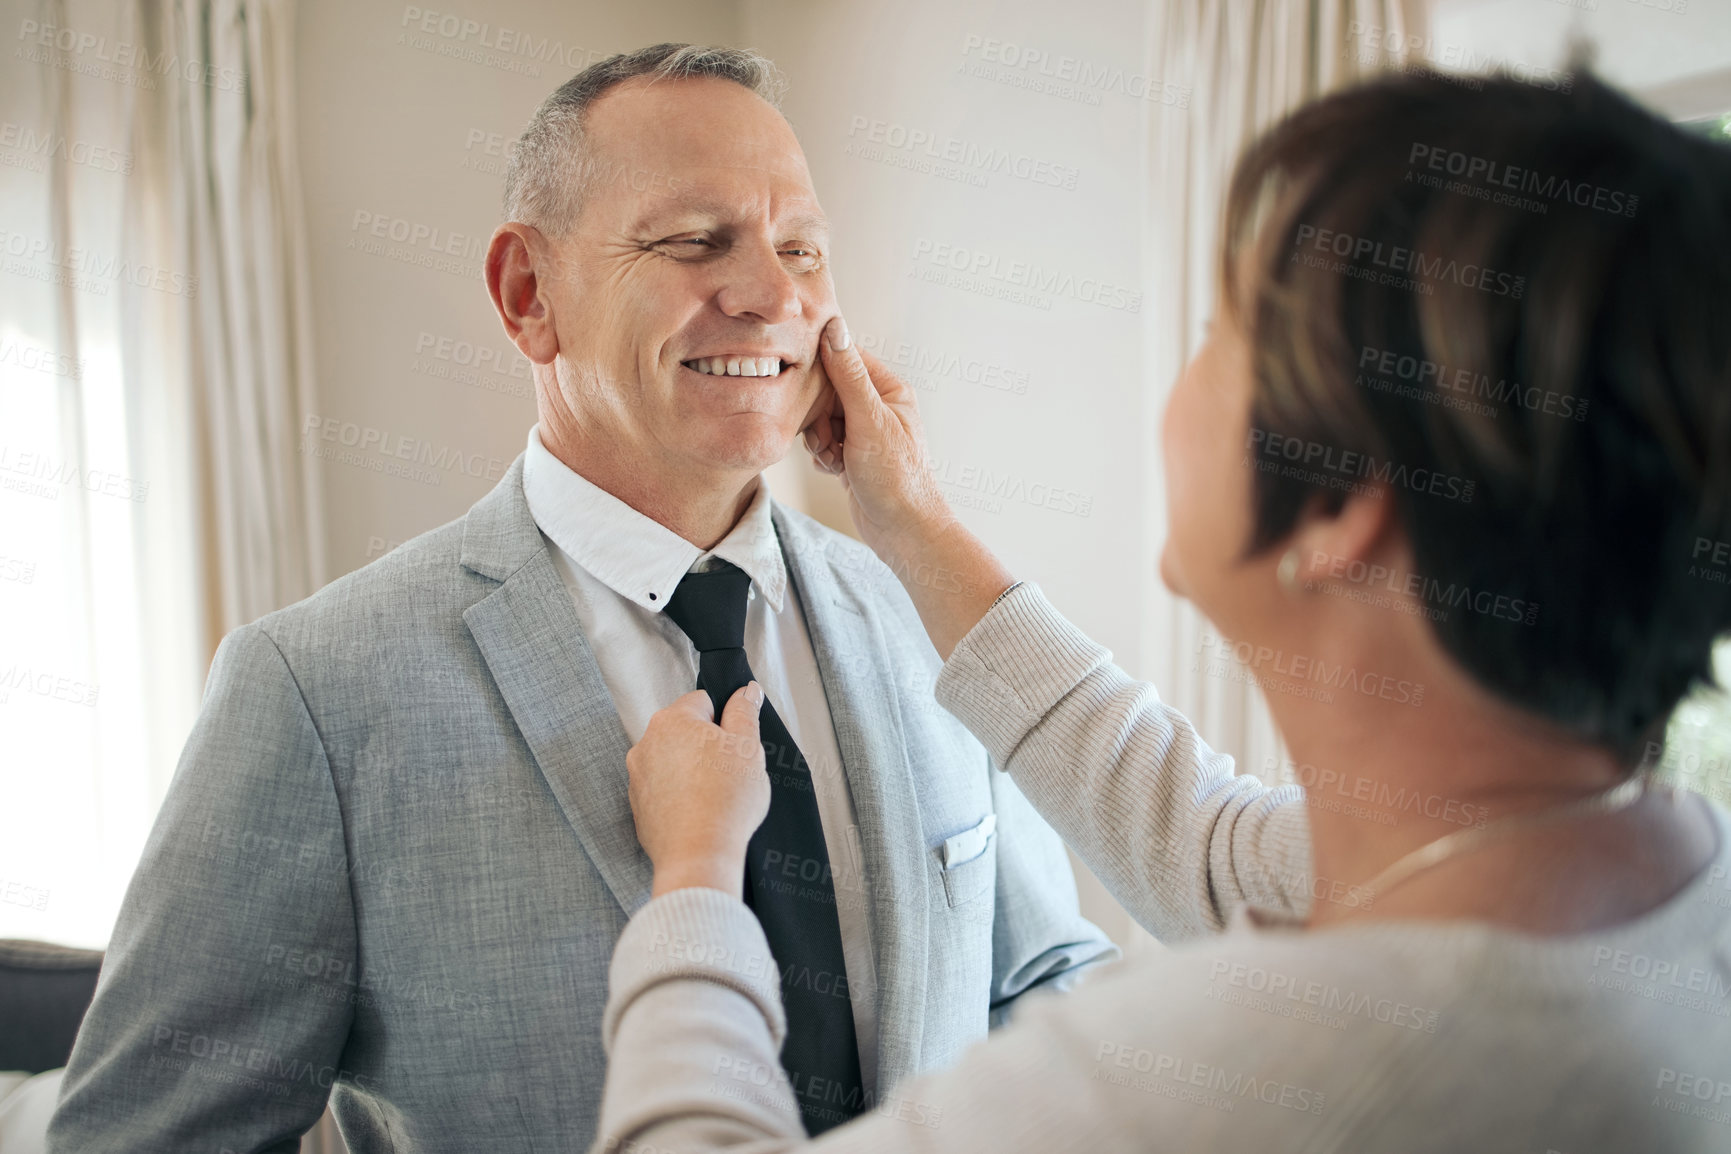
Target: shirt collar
<point x="639" y="558"/>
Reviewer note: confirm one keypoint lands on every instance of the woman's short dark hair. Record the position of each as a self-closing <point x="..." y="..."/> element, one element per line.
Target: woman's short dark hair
<point x="1505" y="307"/>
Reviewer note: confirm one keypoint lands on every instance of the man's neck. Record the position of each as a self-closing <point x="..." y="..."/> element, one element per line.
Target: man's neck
<point x="702" y="509"/>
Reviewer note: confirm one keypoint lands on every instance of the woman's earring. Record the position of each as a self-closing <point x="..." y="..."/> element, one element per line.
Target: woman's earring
<point x="1287" y="574"/>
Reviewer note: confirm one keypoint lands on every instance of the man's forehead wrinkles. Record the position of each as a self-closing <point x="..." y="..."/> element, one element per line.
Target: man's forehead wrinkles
<point x="802" y="216"/>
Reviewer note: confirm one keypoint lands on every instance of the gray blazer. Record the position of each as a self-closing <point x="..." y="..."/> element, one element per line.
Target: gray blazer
<point x="398" y="851"/>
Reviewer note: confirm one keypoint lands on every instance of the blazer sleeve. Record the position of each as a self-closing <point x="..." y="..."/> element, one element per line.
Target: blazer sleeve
<point x="1040" y="940"/>
<point x="206" y="1032"/>
<point x="1176" y="836"/>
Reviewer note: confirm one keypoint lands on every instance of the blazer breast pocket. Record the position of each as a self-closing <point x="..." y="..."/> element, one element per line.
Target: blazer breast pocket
<point x="969" y="861"/>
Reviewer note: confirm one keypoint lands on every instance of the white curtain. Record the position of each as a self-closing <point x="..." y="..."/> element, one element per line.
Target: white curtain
<point x="154" y="363"/>
<point x="155" y="359"/>
<point x="234" y="215"/>
<point x="1245" y="64"/>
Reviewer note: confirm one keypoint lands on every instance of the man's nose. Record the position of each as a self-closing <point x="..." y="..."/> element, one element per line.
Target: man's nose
<point x="759" y="286"/>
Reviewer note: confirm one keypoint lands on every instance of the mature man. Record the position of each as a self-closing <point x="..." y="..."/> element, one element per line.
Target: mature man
<point x="399" y="849"/>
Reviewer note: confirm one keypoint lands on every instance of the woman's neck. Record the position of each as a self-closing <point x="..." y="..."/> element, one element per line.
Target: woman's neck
<point x="1384" y="783"/>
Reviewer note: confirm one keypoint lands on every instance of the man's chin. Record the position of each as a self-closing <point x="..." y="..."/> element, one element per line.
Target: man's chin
<point x="749" y="451"/>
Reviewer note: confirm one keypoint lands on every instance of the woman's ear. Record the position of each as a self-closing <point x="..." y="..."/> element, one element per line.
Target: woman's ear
<point x="1328" y="542"/>
<point x="516" y="257"/>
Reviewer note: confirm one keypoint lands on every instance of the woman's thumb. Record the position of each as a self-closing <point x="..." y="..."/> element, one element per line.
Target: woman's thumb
<point x="740" y="716"/>
<point x="847" y="371"/>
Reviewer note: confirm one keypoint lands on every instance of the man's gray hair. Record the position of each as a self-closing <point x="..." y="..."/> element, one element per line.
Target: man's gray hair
<point x="549" y="168"/>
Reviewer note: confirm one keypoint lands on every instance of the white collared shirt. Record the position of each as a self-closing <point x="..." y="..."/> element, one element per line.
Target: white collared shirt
<point x="621" y="567"/>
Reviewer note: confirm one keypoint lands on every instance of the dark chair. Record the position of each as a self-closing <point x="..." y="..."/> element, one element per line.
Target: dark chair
<point x="44" y="991"/>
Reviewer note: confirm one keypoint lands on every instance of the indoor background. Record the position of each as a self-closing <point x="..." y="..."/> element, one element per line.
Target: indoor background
<point x="245" y="346"/>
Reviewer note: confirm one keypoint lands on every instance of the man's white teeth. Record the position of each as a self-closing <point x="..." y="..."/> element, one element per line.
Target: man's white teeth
<point x="736" y="366"/>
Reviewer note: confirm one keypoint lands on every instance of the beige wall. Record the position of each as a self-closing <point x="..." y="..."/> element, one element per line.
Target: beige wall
<point x="924" y="164"/>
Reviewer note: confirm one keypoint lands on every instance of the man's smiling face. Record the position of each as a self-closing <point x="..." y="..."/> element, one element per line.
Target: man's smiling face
<point x="690" y="292"/>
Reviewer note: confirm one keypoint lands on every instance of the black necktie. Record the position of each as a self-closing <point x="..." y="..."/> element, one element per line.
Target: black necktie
<point x="787" y="871"/>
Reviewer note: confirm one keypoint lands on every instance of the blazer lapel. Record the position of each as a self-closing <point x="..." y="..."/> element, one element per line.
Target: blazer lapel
<point x="853" y="662"/>
<point x="529" y="635"/>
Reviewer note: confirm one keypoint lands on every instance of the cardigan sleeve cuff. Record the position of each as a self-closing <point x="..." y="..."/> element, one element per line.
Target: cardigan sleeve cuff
<point x="697" y="934"/>
<point x="1014" y="665"/>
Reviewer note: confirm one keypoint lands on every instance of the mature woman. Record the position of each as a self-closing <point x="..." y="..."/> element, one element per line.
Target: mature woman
<point x="1499" y="388"/>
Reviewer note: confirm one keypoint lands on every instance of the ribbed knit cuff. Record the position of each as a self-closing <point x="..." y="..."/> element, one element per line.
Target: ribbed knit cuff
<point x="1013" y="666"/>
<point x="693" y="933"/>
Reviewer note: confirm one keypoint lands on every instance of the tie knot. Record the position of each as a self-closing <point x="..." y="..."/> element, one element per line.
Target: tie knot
<point x="710" y="607"/>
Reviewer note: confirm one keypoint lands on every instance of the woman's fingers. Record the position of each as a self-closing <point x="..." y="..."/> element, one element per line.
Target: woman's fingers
<point x="695" y="704"/>
<point x="847" y="372"/>
<point x="822" y="433"/>
<point x="877" y="449"/>
<point x="698" y="789"/>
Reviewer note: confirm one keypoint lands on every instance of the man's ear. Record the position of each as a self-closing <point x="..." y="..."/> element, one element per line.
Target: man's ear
<point x="1361" y="529"/>
<point x="516" y="257"/>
